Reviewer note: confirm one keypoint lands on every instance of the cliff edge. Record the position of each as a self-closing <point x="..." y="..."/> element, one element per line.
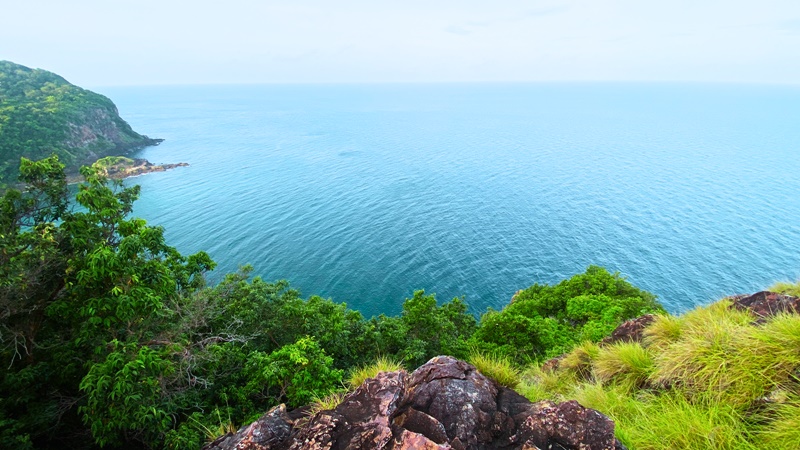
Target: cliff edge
<point x="41" y="114"/>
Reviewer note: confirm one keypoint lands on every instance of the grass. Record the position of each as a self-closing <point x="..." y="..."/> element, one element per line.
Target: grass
<point x="382" y="364"/>
<point x="663" y="331"/>
<point x="538" y="384"/>
<point x="627" y="364"/>
<point x="715" y="356"/>
<point x="710" y="379"/>
<point x="329" y="402"/>
<point x="498" y="368"/>
<point x="580" y="359"/>
<point x="212" y="432"/>
<point x="782" y="432"/>
<point x="786" y="288"/>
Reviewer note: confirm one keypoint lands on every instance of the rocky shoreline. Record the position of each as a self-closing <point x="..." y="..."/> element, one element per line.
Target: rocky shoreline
<point x="140" y="167"/>
<point x="119" y="167"/>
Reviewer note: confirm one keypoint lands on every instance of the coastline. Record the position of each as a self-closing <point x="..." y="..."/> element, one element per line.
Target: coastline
<point x="120" y="167"/>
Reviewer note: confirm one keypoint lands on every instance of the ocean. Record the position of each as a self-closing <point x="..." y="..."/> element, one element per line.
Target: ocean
<point x="366" y="193"/>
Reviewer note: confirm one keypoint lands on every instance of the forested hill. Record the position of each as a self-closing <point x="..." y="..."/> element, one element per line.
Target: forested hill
<point x="41" y="113"/>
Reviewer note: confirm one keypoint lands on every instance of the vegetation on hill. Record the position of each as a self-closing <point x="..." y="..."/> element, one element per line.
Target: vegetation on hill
<point x="43" y="114"/>
<point x="110" y="337"/>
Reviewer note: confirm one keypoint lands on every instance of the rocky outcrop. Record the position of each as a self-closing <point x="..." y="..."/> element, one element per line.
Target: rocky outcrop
<point x="139" y="167"/>
<point x="630" y="331"/>
<point x="766" y="304"/>
<point x="445" y="404"/>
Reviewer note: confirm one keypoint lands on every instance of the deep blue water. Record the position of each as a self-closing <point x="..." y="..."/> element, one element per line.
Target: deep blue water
<point x="365" y="193"/>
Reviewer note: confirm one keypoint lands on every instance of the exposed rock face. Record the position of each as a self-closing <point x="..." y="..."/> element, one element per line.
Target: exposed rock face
<point x="445" y="404"/>
<point x="631" y="330"/>
<point x="766" y="304"/>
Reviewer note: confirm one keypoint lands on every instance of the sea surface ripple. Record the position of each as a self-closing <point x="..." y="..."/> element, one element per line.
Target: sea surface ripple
<point x="365" y="193"/>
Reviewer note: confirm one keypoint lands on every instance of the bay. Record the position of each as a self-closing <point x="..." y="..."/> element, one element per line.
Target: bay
<point x="365" y="193"/>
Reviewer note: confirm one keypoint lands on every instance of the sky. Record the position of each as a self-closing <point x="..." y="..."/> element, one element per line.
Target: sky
<point x="146" y="42"/>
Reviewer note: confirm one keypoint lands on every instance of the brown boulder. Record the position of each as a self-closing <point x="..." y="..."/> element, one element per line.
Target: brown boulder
<point x="567" y="425"/>
<point x="268" y="431"/>
<point x="444" y="404"/>
<point x="766" y="304"/>
<point x="630" y="331"/>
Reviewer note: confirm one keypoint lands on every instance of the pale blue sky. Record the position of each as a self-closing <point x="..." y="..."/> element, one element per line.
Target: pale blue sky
<point x="131" y="42"/>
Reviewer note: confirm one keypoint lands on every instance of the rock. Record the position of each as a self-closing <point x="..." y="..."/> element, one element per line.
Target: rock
<point x="766" y="304"/>
<point x="458" y="396"/>
<point x="362" y="420"/>
<point x="444" y="404"/>
<point x="419" y="422"/>
<point x="630" y="331"/>
<point x="269" y="430"/>
<point x="408" y="440"/>
<point x="568" y="425"/>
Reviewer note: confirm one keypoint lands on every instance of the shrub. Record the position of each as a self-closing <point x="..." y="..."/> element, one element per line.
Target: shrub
<point x="544" y="321"/>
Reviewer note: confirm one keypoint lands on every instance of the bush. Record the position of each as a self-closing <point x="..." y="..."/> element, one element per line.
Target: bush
<point x="545" y="321"/>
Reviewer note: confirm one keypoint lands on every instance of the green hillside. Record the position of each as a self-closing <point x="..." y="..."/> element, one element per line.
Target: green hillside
<point x="41" y="113"/>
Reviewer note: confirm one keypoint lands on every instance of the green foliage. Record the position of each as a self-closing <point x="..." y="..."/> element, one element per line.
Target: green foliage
<point x="125" y="397"/>
<point x="75" y="290"/>
<point x="498" y="368"/>
<point x="295" y="373"/>
<point x="433" y="330"/>
<point x="43" y="114"/>
<point x="545" y="321"/>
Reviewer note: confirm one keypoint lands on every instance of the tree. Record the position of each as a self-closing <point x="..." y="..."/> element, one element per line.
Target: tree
<point x="77" y="287"/>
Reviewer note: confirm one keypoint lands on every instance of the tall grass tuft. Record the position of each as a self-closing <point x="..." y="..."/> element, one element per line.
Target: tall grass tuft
<point x="786" y="288"/>
<point x="382" y="364"/>
<point x="671" y="421"/>
<point x="326" y="403"/>
<point x="716" y="356"/>
<point x="782" y="432"/>
<point x="580" y="359"/>
<point x="627" y="364"/>
<point x="663" y="331"/>
<point x="498" y="368"/>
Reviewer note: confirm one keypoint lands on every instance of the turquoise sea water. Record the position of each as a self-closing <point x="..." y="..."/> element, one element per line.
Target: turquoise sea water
<point x="365" y="193"/>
